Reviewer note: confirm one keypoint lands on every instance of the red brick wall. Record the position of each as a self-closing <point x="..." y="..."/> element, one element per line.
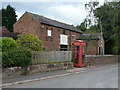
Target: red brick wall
<point x="5" y="30"/>
<point x="27" y="24"/>
<point x="93" y="47"/>
<point x="100" y="60"/>
<point x="30" y="25"/>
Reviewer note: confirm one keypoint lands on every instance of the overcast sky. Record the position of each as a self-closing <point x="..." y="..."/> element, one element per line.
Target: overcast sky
<point x="68" y="12"/>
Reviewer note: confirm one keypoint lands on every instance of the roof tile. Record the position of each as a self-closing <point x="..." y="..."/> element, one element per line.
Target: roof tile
<point x="55" y="23"/>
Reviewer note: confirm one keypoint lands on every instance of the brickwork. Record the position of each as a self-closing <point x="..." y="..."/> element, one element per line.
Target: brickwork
<point x="4" y="30"/>
<point x="94" y="47"/>
<point x="31" y="25"/>
<point x="17" y="71"/>
<point x="27" y="23"/>
<point x="100" y="60"/>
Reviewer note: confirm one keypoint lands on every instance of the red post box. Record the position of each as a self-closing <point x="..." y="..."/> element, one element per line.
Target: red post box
<point x="79" y="53"/>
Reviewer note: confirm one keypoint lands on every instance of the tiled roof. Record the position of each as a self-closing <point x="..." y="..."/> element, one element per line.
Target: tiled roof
<point x="55" y="23"/>
<point x="92" y="35"/>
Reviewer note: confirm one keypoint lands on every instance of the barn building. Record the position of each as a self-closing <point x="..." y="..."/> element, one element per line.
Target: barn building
<point x="55" y="35"/>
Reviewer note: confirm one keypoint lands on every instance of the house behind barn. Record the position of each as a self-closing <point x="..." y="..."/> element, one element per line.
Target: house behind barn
<point x="4" y="32"/>
<point x="95" y="44"/>
<point x="54" y="34"/>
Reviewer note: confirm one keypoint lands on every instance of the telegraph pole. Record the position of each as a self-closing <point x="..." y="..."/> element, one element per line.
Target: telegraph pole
<point x="101" y="38"/>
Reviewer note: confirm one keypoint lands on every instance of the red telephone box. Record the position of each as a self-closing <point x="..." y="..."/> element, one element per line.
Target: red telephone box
<point x="79" y="53"/>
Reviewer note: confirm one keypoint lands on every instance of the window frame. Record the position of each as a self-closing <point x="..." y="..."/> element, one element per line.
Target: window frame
<point x="49" y="33"/>
<point x="74" y="37"/>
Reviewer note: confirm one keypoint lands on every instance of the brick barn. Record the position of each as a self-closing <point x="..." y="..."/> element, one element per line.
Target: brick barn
<point x="54" y="34"/>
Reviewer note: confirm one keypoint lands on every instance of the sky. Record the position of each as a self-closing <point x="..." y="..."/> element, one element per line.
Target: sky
<point x="70" y="12"/>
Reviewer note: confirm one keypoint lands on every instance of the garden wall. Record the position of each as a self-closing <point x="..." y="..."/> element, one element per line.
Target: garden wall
<point x="16" y="71"/>
<point x="91" y="60"/>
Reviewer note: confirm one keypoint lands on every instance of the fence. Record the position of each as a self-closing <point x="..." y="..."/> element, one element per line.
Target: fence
<point x="51" y="56"/>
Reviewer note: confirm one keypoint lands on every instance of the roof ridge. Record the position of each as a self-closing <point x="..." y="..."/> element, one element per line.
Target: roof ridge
<point x="51" y="19"/>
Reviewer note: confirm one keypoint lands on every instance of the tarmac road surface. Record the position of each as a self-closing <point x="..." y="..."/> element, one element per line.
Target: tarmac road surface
<point x="99" y="78"/>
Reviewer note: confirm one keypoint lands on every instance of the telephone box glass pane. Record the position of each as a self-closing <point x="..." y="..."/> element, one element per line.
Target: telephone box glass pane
<point x="83" y="48"/>
<point x="76" y="54"/>
<point x="83" y="59"/>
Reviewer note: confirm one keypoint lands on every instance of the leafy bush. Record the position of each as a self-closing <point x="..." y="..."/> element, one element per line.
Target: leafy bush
<point x="16" y="57"/>
<point x="7" y="43"/>
<point x="6" y="61"/>
<point x="0" y="45"/>
<point x="116" y="50"/>
<point x="30" y="41"/>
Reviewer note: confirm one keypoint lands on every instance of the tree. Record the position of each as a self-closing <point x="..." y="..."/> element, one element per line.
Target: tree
<point x="30" y="41"/>
<point x="105" y="18"/>
<point x="9" y="17"/>
<point x="90" y="23"/>
<point x="92" y="29"/>
<point x="0" y="18"/>
<point x="108" y="14"/>
<point x="90" y="18"/>
<point x="82" y="26"/>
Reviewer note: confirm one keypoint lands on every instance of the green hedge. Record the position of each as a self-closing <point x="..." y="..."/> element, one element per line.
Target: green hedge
<point x="16" y="57"/>
<point x="7" y="43"/>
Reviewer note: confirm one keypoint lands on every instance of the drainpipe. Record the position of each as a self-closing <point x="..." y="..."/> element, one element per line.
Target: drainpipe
<point x="70" y="41"/>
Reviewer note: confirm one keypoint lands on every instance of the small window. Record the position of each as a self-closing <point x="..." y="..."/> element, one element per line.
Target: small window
<point x="49" y="32"/>
<point x="63" y="31"/>
<point x="63" y="39"/>
<point x="73" y="37"/>
<point x="42" y="26"/>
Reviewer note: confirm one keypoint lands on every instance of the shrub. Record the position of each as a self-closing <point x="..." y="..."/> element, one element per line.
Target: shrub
<point x="7" y="43"/>
<point x="116" y="50"/>
<point x="30" y="41"/>
<point x="16" y="57"/>
<point x="0" y="44"/>
<point x="6" y="62"/>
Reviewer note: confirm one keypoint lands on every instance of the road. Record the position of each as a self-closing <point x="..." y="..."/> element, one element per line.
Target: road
<point x="99" y="78"/>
